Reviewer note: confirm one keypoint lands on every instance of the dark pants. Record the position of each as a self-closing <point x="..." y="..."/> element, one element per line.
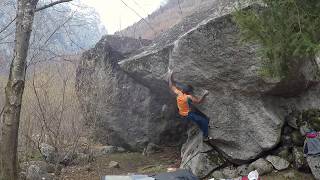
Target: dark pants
<point x="201" y="120"/>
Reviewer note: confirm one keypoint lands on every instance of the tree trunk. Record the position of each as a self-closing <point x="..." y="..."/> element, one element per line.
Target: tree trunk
<point x="14" y="90"/>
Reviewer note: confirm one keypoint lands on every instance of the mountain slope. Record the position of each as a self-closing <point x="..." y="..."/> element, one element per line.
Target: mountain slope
<point x="164" y="18"/>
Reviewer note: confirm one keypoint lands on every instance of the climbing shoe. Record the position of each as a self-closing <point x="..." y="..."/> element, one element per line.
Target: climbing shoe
<point x="206" y="139"/>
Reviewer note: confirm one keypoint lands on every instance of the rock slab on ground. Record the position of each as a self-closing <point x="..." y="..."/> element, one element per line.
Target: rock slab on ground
<point x="278" y="162"/>
<point x="151" y="149"/>
<point x="262" y="166"/>
<point x="114" y="164"/>
<point x="314" y="164"/>
<point x="200" y="158"/>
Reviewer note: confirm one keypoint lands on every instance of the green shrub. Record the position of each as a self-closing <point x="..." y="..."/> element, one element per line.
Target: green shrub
<point x="287" y="30"/>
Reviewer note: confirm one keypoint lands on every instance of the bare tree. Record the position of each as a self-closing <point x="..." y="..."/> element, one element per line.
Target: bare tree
<point x="15" y="87"/>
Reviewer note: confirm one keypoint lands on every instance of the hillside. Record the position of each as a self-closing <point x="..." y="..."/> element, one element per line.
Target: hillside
<point x="164" y="18"/>
<point x="63" y="30"/>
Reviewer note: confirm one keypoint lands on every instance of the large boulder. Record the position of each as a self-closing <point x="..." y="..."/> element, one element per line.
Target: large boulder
<point x="209" y="56"/>
<point x="127" y="95"/>
<point x="244" y="105"/>
<point x="123" y="112"/>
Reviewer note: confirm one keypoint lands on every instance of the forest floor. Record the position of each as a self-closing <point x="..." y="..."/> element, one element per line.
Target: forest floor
<point x="129" y="163"/>
<point x="136" y="163"/>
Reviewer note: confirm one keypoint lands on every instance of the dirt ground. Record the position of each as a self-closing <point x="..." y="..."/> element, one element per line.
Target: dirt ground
<point x="136" y="163"/>
<point x="130" y="163"/>
<point x="288" y="175"/>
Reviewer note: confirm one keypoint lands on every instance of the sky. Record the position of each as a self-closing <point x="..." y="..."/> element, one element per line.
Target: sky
<point x="115" y="15"/>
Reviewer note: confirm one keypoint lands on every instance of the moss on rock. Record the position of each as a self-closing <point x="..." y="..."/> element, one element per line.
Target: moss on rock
<point x="309" y="116"/>
<point x="297" y="138"/>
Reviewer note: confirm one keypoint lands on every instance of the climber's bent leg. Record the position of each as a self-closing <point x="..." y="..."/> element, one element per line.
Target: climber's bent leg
<point x="201" y="121"/>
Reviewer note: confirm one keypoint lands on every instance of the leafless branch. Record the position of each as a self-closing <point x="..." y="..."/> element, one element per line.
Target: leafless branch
<point x="139" y="16"/>
<point x="51" y="4"/>
<point x="47" y="40"/>
<point x="69" y="37"/>
<point x="38" y="9"/>
<point x="40" y="106"/>
<point x="3" y="29"/>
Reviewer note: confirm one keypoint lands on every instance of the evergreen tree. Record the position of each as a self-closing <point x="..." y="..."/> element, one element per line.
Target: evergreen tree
<point x="287" y="30"/>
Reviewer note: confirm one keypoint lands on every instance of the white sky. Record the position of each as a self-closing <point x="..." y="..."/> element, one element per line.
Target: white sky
<point x="115" y="15"/>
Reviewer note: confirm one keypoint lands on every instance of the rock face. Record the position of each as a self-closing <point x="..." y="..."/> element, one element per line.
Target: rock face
<point x="124" y="112"/>
<point x="210" y="57"/>
<point x="248" y="111"/>
<point x="245" y="106"/>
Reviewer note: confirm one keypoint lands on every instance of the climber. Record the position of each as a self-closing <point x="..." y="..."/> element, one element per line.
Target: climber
<point x="185" y="100"/>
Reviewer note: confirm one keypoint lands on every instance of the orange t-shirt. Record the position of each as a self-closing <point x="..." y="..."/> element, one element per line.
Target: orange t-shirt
<point x="183" y="101"/>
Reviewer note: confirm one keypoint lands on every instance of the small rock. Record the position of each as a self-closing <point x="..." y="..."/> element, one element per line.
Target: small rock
<point x="151" y="149"/>
<point x="49" y="152"/>
<point x="104" y="150"/>
<point x="278" y="162"/>
<point x="230" y="172"/>
<point x="300" y="162"/>
<point x="243" y="170"/>
<point x="33" y="173"/>
<point x="121" y="149"/>
<point x="108" y="150"/>
<point x="114" y="164"/>
<point x="48" y="176"/>
<point x="262" y="166"/>
<point x="314" y="164"/>
<point x="41" y="164"/>
<point x="217" y="174"/>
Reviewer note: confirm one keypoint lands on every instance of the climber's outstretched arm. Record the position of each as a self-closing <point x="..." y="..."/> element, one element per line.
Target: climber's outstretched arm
<point x="171" y="82"/>
<point x="197" y="100"/>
